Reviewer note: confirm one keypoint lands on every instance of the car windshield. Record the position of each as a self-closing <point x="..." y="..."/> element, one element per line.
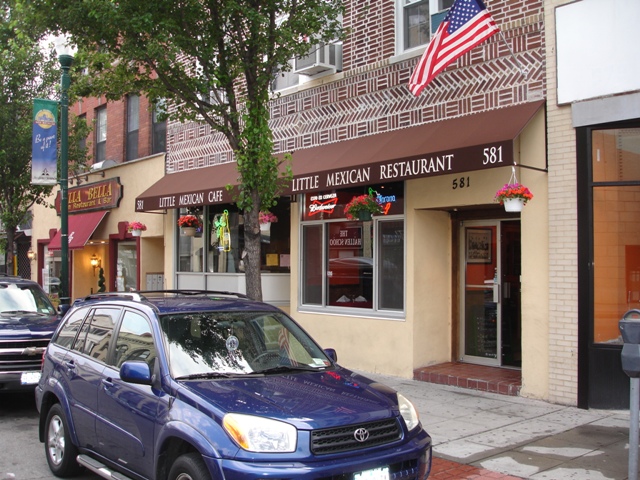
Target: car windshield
<point x="228" y="343"/>
<point x="24" y="299"/>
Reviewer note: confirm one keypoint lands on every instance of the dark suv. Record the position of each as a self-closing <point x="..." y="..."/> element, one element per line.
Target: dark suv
<point x="211" y="385"/>
<point x="27" y="322"/>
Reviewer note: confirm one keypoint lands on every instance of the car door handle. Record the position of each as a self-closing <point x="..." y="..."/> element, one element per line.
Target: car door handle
<point x="107" y="383"/>
<point x="70" y="365"/>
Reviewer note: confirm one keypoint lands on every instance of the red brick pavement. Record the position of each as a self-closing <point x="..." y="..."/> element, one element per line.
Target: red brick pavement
<point x="446" y="470"/>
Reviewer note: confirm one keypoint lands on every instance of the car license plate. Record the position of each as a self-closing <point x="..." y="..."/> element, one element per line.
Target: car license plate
<point x="375" y="474"/>
<point x="29" y="378"/>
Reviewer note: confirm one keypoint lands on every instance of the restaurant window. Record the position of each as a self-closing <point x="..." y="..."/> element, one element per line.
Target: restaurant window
<point x="190" y="241"/>
<point x="350" y="263"/>
<point x="217" y="246"/>
<point x="101" y="134"/>
<point x="615" y="169"/>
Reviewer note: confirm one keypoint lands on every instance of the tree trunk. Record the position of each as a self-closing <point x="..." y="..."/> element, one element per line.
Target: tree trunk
<point x="252" y="260"/>
<point x="10" y="249"/>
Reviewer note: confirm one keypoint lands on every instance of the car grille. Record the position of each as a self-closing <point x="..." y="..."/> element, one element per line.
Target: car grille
<point x="21" y="355"/>
<point x="343" y="439"/>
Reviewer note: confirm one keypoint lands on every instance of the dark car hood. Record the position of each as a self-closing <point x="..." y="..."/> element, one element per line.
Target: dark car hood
<point x="308" y="400"/>
<point x="28" y="324"/>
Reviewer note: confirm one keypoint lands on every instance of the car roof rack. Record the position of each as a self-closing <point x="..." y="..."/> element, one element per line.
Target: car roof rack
<point x="191" y="292"/>
<point x="125" y="295"/>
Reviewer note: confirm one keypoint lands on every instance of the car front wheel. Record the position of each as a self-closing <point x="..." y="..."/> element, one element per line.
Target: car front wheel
<point x="189" y="467"/>
<point x="61" y="452"/>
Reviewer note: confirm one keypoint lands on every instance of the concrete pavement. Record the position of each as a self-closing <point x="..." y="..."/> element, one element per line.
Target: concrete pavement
<point x="517" y="436"/>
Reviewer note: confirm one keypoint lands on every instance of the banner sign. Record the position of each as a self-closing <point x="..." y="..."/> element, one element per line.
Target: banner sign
<point x="44" y="151"/>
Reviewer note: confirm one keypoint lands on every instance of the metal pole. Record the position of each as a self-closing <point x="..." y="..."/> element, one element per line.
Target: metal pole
<point x="634" y="428"/>
<point x="65" y="81"/>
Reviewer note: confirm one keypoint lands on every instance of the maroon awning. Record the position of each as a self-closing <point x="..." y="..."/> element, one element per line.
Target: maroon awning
<point x="460" y="144"/>
<point x="81" y="227"/>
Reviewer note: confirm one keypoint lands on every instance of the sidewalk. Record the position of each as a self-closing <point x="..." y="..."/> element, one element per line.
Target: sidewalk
<point x="480" y="435"/>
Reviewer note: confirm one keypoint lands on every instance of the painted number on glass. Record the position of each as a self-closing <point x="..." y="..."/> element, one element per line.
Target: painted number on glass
<point x="462" y="182"/>
<point x="492" y="155"/>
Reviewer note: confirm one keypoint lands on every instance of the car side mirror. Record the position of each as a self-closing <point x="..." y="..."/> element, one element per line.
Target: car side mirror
<point x="136" y="371"/>
<point x="63" y="308"/>
<point x="331" y="353"/>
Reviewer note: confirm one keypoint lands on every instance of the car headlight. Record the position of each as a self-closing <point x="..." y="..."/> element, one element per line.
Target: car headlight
<point x="408" y="412"/>
<point x="258" y="434"/>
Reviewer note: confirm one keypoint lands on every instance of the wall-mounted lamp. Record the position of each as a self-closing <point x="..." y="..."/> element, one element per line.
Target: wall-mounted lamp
<point x="31" y="255"/>
<point x="95" y="263"/>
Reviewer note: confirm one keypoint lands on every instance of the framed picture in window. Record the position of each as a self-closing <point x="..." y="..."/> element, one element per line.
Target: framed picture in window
<point x="478" y="245"/>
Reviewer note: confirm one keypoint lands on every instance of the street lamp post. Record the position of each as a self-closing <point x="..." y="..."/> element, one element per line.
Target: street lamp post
<point x="65" y="55"/>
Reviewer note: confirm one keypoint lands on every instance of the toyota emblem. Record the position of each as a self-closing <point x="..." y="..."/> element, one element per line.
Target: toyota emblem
<point x="361" y="435"/>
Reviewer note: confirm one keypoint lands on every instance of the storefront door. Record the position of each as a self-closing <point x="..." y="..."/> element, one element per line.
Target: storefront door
<point x="126" y="267"/>
<point x="490" y="299"/>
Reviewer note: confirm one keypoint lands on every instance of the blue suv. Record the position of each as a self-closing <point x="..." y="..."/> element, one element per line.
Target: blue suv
<point x="198" y="385"/>
<point x="27" y="322"/>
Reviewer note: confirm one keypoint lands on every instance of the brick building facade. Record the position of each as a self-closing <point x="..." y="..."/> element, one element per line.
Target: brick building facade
<point x="445" y="274"/>
<point x="399" y="301"/>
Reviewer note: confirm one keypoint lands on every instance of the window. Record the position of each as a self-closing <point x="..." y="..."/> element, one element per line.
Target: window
<point x="135" y="340"/>
<point x="416" y="23"/>
<point x="418" y="20"/>
<point x="133" y="123"/>
<point x="82" y="142"/>
<point x="190" y="245"/>
<point x="353" y="264"/>
<point x="67" y="334"/>
<point x="94" y="340"/>
<point x="284" y="80"/>
<point x="615" y="169"/>
<point x="159" y="127"/>
<point x="221" y="240"/>
<point x="101" y="134"/>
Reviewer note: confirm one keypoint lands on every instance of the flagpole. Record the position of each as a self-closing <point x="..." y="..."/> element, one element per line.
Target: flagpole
<point x="523" y="70"/>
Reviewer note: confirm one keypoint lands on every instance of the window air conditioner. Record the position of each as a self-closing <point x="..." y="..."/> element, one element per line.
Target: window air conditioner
<point x="321" y="58"/>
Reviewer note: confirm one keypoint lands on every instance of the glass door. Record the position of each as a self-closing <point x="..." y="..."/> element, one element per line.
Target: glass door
<point x="490" y="276"/>
<point x="127" y="267"/>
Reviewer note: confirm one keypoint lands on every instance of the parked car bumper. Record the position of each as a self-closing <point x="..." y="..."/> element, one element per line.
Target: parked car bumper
<point x="18" y="381"/>
<point x="411" y="461"/>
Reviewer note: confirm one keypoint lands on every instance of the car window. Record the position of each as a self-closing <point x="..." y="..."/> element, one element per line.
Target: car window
<point x="72" y="323"/>
<point x="237" y="342"/>
<point x="24" y="298"/>
<point x="100" y="331"/>
<point x="135" y="340"/>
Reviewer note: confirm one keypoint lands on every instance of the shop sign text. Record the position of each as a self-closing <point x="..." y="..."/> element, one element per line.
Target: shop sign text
<point x="207" y="197"/>
<point x="465" y="159"/>
<point x="95" y="196"/>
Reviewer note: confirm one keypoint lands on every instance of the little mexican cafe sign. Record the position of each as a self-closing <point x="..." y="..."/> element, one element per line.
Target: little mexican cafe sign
<point x="93" y="196"/>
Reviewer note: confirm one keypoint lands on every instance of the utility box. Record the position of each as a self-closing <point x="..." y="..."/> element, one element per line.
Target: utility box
<point x="629" y="326"/>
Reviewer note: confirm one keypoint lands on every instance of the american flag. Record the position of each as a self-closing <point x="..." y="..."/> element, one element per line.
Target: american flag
<point x="467" y="24"/>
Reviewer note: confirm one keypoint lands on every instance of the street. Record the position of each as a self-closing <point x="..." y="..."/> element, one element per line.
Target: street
<point x="21" y="453"/>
